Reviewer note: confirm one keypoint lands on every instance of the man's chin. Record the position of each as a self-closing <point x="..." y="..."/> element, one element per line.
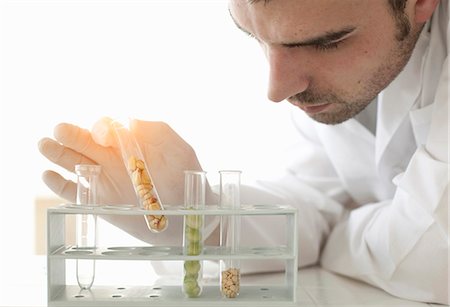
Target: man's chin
<point x="328" y="118"/>
<point x="327" y="113"/>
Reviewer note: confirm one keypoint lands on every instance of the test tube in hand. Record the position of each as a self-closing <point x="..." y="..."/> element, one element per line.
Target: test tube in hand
<point x="140" y="177"/>
<point x="230" y="228"/>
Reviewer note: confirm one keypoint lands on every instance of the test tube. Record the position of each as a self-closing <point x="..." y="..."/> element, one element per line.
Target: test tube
<point x="230" y="228"/>
<point x="140" y="177"/>
<point x="194" y="199"/>
<point x="86" y="224"/>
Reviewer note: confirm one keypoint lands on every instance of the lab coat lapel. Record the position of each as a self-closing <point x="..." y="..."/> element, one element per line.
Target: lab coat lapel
<point x="395" y="102"/>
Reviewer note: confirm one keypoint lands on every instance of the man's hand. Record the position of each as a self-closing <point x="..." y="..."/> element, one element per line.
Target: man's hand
<point x="166" y="153"/>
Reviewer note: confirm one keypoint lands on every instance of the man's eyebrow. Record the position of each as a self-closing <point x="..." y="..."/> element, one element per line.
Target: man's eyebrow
<point x="327" y="38"/>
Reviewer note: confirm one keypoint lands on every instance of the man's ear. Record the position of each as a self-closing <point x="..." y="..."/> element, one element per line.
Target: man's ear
<point x="424" y="9"/>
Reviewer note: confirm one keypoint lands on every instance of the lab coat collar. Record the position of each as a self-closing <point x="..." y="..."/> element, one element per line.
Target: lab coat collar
<point x="395" y="101"/>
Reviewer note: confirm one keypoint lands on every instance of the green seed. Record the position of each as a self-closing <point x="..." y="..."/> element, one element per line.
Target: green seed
<point x="192" y="234"/>
<point x="189" y="285"/>
<point x="194" y="249"/>
<point x="192" y="267"/>
<point x="190" y="275"/>
<point x="195" y="292"/>
<point x="194" y="221"/>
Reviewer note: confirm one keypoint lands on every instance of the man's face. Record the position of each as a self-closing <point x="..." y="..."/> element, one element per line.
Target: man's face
<point x="328" y="57"/>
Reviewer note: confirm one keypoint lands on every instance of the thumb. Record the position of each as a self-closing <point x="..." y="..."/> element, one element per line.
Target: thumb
<point x="102" y="132"/>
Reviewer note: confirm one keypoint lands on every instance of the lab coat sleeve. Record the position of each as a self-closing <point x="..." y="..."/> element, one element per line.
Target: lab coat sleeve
<point x="402" y="245"/>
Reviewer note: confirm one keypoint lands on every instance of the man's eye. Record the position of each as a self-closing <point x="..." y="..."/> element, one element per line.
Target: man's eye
<point x="327" y="47"/>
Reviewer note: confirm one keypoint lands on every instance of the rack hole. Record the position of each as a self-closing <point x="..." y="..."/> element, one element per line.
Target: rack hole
<point x="120" y="288"/>
<point x="153" y="296"/>
<point x="264" y="289"/>
<point x="116" y="295"/>
<point x="157" y="288"/>
<point x="79" y="296"/>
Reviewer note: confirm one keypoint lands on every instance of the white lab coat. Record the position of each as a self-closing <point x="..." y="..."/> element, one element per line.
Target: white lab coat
<point x="375" y="208"/>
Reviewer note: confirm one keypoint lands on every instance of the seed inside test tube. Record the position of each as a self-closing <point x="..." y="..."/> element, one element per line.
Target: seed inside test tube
<point x="139" y="175"/>
<point x="230" y="232"/>
<point x="143" y="184"/>
<point x="194" y="199"/>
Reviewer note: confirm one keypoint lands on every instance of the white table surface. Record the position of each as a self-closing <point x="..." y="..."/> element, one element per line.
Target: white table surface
<point x="316" y="287"/>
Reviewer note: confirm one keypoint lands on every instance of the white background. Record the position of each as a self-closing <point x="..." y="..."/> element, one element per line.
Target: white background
<point x="183" y="62"/>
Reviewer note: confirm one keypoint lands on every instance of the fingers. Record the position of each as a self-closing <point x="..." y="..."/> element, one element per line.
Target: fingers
<point x="102" y="132"/>
<point x="61" y="155"/>
<point x="60" y="186"/>
<point x="80" y="140"/>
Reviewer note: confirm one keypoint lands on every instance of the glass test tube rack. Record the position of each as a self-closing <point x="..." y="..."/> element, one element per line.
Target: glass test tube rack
<point x="59" y="253"/>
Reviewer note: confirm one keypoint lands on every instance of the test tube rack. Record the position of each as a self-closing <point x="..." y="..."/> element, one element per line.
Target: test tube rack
<point x="59" y="252"/>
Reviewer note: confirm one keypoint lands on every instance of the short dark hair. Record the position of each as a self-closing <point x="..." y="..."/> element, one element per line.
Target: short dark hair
<point x="398" y="10"/>
<point x="403" y="24"/>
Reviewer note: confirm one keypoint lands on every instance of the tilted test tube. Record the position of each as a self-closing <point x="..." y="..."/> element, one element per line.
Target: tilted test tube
<point x="139" y="173"/>
<point x="230" y="231"/>
<point x="86" y="224"/>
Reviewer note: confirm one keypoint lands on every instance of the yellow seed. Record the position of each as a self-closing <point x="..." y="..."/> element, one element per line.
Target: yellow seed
<point x="147" y="195"/>
<point x="155" y="206"/>
<point x="146" y="177"/>
<point x="146" y="205"/>
<point x="162" y="223"/>
<point x="136" y="177"/>
<point x="154" y="223"/>
<point x="153" y="199"/>
<point x="140" y="164"/>
<point x="142" y="190"/>
<point x="131" y="163"/>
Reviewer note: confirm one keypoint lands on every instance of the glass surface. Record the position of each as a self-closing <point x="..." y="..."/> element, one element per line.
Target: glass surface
<point x="194" y="199"/>
<point x="86" y="224"/>
<point x="140" y="177"/>
<point x="230" y="228"/>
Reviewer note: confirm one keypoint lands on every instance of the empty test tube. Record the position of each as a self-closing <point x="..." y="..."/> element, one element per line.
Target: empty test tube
<point x="86" y="224"/>
<point x="230" y="228"/>
<point x="194" y="199"/>
<point x="140" y="177"/>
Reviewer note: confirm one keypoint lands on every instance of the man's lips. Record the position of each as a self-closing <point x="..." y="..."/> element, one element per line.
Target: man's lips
<point x="312" y="109"/>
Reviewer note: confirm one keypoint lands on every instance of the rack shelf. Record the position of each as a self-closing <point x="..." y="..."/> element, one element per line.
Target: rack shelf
<point x="59" y="253"/>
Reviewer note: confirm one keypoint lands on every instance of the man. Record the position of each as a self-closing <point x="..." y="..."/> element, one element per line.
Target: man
<point x="370" y="174"/>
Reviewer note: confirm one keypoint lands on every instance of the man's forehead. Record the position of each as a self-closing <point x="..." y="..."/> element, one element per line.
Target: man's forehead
<point x="299" y="22"/>
<point x="252" y="14"/>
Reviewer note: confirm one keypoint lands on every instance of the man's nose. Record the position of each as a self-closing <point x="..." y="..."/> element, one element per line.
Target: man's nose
<point x="287" y="76"/>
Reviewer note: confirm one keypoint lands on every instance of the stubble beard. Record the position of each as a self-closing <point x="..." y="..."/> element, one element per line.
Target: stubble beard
<point x="343" y="109"/>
